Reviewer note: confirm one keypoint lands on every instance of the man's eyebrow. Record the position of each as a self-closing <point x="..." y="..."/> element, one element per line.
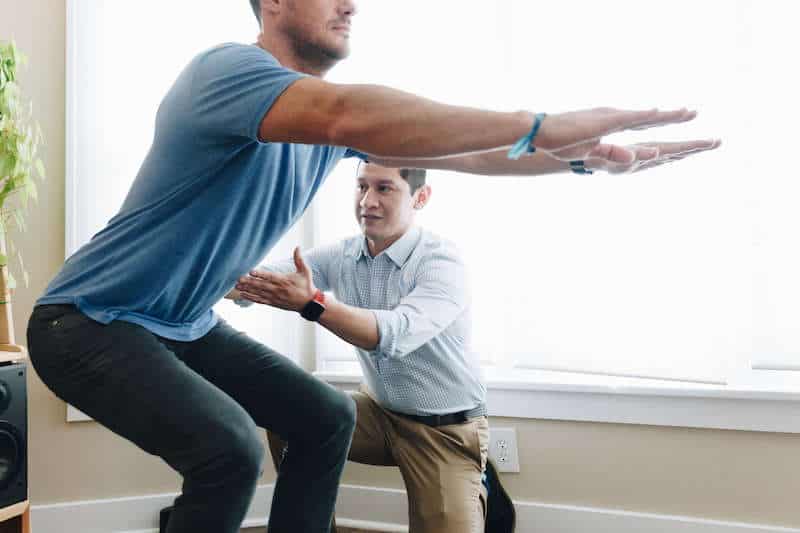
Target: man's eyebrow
<point x="379" y="181"/>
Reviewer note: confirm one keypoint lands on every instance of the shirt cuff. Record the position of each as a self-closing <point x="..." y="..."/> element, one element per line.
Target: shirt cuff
<point x="387" y="333"/>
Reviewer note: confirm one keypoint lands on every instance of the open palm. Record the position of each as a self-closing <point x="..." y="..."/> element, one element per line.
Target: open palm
<point x="645" y="155"/>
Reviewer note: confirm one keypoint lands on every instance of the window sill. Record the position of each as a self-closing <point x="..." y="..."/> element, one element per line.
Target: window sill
<point x="559" y="396"/>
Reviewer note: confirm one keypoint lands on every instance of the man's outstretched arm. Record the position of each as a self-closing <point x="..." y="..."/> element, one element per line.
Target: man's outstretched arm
<point x="386" y="123"/>
<point x="609" y="158"/>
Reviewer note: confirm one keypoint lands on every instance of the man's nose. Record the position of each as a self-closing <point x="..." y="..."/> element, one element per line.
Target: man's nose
<point x="347" y="8"/>
<point x="367" y="199"/>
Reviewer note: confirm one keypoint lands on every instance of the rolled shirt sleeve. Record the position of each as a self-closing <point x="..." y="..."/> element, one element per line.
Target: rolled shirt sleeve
<point x="439" y="297"/>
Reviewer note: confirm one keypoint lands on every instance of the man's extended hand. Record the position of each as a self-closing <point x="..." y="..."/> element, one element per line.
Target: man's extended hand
<point x="575" y="134"/>
<point x="645" y="155"/>
<point x="285" y="291"/>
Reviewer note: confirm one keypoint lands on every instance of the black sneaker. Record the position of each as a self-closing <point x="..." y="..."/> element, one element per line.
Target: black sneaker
<point x="163" y="518"/>
<point x="501" y="517"/>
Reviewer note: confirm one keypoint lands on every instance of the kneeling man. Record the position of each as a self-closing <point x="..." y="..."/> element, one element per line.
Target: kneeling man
<point x="402" y="299"/>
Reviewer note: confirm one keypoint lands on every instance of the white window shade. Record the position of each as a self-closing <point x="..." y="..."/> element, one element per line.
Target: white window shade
<point x="772" y="126"/>
<point x="120" y="63"/>
<point x="686" y="272"/>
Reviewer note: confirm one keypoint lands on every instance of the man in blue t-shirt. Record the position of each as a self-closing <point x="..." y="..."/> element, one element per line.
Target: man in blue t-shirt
<point x="242" y="142"/>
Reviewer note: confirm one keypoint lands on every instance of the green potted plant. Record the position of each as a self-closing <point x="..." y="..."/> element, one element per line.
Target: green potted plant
<point x="20" y="138"/>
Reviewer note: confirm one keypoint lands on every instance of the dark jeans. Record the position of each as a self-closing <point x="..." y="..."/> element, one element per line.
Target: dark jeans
<point x="197" y="405"/>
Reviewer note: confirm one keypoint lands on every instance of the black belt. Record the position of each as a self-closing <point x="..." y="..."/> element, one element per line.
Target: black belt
<point x="439" y="420"/>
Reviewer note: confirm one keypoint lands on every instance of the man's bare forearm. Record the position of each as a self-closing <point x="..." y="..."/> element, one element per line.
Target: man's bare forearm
<point x="495" y="163"/>
<point x="386" y="122"/>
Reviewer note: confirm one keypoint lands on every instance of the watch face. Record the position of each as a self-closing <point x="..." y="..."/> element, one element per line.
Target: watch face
<point x="312" y="310"/>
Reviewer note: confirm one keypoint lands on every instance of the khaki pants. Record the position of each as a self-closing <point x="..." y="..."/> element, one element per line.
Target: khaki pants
<point x="441" y="466"/>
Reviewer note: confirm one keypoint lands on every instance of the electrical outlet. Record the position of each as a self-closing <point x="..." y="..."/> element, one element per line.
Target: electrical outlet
<point x="503" y="449"/>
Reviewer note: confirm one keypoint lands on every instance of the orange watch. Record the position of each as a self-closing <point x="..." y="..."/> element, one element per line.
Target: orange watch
<point x="315" y="307"/>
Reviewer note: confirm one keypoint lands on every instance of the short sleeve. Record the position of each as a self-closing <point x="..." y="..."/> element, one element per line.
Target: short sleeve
<point x="233" y="87"/>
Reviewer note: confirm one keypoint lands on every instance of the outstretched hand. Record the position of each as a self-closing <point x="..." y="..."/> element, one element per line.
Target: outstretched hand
<point x="284" y="291"/>
<point x="610" y="158"/>
<point x="575" y="134"/>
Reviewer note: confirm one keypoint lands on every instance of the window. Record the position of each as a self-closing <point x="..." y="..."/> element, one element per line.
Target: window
<point x="121" y="61"/>
<point x="684" y="273"/>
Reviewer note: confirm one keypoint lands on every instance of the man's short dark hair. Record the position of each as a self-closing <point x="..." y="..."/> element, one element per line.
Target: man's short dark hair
<point x="256" y="5"/>
<point x="414" y="176"/>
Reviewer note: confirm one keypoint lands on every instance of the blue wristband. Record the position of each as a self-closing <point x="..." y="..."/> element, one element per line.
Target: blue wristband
<point x="579" y="167"/>
<point x="525" y="144"/>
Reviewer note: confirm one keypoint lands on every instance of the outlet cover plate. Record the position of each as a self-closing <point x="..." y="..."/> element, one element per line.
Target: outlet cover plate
<point x="503" y="449"/>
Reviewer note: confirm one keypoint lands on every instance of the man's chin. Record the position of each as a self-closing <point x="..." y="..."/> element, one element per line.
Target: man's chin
<point x="338" y="53"/>
<point x="371" y="235"/>
<point x="337" y="48"/>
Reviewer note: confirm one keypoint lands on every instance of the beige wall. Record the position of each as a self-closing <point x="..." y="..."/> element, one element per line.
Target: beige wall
<point x="725" y="475"/>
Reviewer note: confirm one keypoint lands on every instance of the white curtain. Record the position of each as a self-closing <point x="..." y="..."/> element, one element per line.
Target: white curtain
<point x="121" y="60"/>
<point x="686" y="272"/>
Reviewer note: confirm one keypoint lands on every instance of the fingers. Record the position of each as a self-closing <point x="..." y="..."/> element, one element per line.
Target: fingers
<point x="646" y="153"/>
<point x="573" y="135"/>
<point x="613" y="153"/>
<point x="660" y="118"/>
<point x="255" y="284"/>
<point x="652" y="164"/>
<point x="299" y="262"/>
<point x="261" y="289"/>
<point x="261" y="274"/>
<point x="675" y="151"/>
<point x="618" y="159"/>
<point x="686" y="147"/>
<point x="256" y="298"/>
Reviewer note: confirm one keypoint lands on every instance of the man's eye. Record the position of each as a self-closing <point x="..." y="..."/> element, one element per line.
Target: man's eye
<point x="384" y="188"/>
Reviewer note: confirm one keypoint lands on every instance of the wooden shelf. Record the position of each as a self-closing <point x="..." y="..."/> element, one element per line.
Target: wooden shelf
<point x="13" y="510"/>
<point x="12" y="353"/>
<point x="18" y="516"/>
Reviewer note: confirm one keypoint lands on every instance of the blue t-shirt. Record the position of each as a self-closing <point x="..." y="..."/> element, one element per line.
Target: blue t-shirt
<point x="208" y="203"/>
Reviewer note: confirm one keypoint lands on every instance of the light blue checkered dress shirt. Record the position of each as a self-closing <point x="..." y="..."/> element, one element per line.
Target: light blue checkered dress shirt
<point x="417" y="289"/>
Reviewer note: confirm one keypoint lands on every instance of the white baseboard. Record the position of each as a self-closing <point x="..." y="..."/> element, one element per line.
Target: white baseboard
<point x="376" y="509"/>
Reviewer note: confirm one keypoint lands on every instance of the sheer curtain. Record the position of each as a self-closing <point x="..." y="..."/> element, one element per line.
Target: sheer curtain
<point x="686" y="272"/>
<point x="121" y="61"/>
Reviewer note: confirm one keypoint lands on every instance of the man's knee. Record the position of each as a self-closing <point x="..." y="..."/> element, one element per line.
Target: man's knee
<point x="248" y="452"/>
<point x="338" y="416"/>
<point x="238" y="452"/>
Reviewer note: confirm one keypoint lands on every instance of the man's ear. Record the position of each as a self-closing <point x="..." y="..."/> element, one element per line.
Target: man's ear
<point x="423" y="195"/>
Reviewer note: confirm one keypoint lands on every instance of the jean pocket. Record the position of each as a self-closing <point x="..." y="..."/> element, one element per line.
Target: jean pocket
<point x="61" y="318"/>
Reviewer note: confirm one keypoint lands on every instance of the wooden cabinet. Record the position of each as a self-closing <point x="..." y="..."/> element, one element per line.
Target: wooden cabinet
<point x="16" y="518"/>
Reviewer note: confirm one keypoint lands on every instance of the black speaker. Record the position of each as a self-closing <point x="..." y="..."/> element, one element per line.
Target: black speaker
<point x="13" y="435"/>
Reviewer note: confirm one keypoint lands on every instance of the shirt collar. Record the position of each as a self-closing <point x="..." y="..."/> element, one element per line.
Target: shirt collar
<point x="398" y="252"/>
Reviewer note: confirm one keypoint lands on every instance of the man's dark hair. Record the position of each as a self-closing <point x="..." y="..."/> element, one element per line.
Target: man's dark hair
<point x="256" y="5"/>
<point x="414" y="176"/>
